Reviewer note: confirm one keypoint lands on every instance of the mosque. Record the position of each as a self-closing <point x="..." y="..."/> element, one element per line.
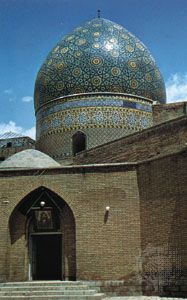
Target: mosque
<point x="101" y="195"/>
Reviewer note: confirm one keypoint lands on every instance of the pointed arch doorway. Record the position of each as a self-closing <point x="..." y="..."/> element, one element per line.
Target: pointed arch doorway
<point x="50" y="233"/>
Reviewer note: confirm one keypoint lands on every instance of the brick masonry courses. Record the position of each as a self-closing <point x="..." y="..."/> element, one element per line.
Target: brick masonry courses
<point x="158" y="140"/>
<point x="163" y="207"/>
<point x="166" y="112"/>
<point x="87" y="194"/>
<point x="146" y="222"/>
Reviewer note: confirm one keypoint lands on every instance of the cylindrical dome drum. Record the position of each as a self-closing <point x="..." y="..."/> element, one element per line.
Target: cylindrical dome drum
<point x="96" y="85"/>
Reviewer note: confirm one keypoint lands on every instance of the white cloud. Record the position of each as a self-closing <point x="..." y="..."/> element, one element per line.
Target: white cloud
<point x="30" y="132"/>
<point x="27" y="99"/>
<point x="176" y="88"/>
<point x="8" y="91"/>
<point x="11" y="126"/>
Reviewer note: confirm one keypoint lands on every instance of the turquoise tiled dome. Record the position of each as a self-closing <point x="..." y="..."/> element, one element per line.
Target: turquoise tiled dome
<point x="100" y="56"/>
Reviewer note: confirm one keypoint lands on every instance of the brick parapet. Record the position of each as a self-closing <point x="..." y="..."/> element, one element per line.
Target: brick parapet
<point x="163" y="138"/>
<point x="166" y="112"/>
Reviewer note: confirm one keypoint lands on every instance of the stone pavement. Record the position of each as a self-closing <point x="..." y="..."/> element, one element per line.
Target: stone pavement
<point x="143" y="298"/>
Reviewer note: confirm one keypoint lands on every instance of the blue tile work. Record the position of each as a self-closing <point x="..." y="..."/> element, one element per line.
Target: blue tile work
<point x="134" y="104"/>
<point x="85" y="111"/>
<point x="94" y="117"/>
<point x="100" y="56"/>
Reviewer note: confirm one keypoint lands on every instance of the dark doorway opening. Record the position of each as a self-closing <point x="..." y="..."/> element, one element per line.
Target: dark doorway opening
<point x="79" y="142"/>
<point x="47" y="257"/>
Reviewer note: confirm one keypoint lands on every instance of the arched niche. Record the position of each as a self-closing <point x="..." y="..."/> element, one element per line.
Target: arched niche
<point x="42" y="228"/>
<point x="78" y="142"/>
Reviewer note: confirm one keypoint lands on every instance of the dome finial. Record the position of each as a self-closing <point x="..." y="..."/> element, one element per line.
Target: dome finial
<point x="98" y="13"/>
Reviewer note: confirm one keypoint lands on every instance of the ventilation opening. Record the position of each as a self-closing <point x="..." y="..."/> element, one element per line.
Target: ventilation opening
<point x="79" y="142"/>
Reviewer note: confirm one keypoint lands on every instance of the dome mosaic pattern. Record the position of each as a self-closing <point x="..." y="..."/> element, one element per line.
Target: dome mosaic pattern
<point x="100" y="56"/>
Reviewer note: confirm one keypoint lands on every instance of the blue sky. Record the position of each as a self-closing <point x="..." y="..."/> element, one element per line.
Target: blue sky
<point x="30" y="28"/>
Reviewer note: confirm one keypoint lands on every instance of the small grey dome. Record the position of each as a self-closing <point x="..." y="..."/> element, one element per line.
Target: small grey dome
<point x="29" y="158"/>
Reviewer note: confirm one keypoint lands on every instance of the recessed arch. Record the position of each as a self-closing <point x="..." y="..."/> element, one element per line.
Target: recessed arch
<point x="79" y="141"/>
<point x="26" y="236"/>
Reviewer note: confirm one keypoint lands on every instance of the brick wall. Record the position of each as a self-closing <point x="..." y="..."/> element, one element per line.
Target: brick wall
<point x="166" y="112"/>
<point x="161" y="139"/>
<point x="106" y="246"/>
<point x="17" y="255"/>
<point x="60" y="147"/>
<point x="68" y="243"/>
<point x="142" y="237"/>
<point x="162" y="187"/>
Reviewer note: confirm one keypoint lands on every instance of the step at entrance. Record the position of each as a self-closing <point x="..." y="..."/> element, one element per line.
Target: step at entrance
<point x="49" y="290"/>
